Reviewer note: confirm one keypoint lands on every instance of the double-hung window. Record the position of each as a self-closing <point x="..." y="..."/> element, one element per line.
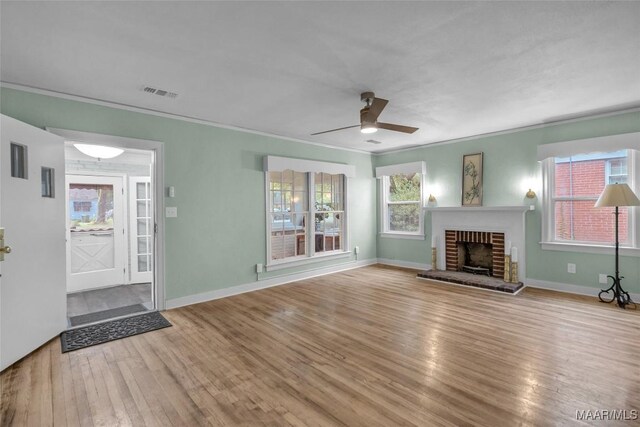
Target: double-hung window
<point x="402" y="199"/>
<point x="306" y="210"/>
<point x="573" y="184"/>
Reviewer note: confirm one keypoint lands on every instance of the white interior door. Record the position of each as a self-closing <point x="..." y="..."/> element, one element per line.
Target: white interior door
<point x="96" y="235"/>
<point x="33" y="301"/>
<point x="141" y="232"/>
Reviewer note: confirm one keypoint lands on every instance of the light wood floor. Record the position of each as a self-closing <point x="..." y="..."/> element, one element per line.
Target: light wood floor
<point x="370" y="347"/>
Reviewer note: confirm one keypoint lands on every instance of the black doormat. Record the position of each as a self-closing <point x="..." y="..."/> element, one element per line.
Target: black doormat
<point x="76" y="339"/>
<point x="83" y="319"/>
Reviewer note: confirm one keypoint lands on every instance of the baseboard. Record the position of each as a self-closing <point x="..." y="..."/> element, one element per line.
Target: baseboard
<point x="569" y="288"/>
<point x="266" y="283"/>
<point x="405" y="264"/>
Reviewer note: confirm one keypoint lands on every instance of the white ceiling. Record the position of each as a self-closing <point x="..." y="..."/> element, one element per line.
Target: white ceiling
<point x="453" y="69"/>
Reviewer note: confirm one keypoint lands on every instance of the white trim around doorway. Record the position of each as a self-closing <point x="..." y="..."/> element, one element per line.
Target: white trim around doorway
<point x="158" y="179"/>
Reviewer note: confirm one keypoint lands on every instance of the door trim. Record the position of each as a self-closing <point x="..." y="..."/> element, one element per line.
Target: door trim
<point x="158" y="179"/>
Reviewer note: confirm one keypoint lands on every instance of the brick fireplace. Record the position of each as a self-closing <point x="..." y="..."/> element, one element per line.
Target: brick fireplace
<point x="454" y="239"/>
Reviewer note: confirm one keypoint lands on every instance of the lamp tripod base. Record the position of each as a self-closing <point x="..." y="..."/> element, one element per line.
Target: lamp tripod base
<point x="615" y="292"/>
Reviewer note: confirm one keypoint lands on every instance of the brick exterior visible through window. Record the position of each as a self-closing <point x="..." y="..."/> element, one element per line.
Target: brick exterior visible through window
<point x="578" y="184"/>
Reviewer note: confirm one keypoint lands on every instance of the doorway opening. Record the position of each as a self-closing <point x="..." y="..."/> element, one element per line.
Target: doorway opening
<point x="111" y="239"/>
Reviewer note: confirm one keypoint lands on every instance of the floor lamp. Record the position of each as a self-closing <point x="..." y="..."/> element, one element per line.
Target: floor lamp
<point x="616" y="195"/>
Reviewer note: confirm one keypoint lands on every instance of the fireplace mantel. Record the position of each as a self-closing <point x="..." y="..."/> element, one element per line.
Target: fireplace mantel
<point x="509" y="220"/>
<point x="519" y="208"/>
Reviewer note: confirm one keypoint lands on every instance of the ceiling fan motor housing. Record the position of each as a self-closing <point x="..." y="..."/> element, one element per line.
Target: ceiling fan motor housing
<point x="364" y="116"/>
<point x="367" y="97"/>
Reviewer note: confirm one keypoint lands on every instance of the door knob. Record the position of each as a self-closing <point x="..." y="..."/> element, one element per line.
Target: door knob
<point x="3" y="249"/>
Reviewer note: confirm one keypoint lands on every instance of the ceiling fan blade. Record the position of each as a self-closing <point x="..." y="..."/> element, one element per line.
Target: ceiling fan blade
<point x="397" y="128"/>
<point x="333" y="130"/>
<point x="376" y="107"/>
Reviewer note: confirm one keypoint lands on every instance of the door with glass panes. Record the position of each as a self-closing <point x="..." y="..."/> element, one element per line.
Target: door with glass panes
<point x="141" y="230"/>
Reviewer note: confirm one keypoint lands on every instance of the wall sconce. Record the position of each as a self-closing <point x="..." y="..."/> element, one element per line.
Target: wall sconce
<point x="432" y="198"/>
<point x="531" y="194"/>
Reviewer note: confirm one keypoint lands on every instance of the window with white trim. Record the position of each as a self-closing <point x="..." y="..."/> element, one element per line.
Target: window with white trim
<point x="402" y="198"/>
<point x="306" y="211"/>
<point x="572" y="187"/>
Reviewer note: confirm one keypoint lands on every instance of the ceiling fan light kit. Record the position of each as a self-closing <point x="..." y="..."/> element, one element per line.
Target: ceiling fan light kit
<point x="369" y="117"/>
<point x="368" y="128"/>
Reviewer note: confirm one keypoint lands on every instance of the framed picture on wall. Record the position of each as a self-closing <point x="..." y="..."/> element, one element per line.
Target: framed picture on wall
<point x="472" y="179"/>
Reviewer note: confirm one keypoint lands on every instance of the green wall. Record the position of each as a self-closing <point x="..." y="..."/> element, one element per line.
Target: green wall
<point x="509" y="162"/>
<point x="219" y="234"/>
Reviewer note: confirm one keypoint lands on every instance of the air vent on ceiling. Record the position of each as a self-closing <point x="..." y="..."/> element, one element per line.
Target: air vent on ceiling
<point x="159" y="92"/>
<point x="373" y="141"/>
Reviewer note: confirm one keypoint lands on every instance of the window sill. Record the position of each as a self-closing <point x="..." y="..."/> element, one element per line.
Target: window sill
<point x="281" y="265"/>
<point x="589" y="249"/>
<point x="409" y="236"/>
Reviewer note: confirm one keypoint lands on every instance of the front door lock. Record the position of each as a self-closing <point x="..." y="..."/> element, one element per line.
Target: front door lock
<point x="3" y="249"/>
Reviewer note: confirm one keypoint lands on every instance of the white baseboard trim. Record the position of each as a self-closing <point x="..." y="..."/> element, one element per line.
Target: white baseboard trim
<point x="406" y="264"/>
<point x="569" y="288"/>
<point x="266" y="283"/>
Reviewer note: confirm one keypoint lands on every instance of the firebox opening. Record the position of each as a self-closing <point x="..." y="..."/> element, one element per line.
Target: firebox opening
<point x="475" y="257"/>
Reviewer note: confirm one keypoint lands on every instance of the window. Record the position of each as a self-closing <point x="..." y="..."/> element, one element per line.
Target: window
<point x="573" y="185"/>
<point x="48" y="182"/>
<point x="616" y="171"/>
<point x="18" y="161"/>
<point x="401" y="199"/>
<point x="403" y="203"/>
<point x="306" y="211"/>
<point x="329" y="212"/>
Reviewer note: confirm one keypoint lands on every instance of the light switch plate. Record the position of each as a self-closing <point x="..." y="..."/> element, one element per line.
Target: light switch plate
<point x="171" y="212"/>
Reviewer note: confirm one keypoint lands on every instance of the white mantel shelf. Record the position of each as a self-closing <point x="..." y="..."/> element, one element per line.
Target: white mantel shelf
<point x="519" y="208"/>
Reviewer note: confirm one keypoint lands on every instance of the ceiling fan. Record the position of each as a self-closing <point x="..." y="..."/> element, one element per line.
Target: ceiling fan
<point x="369" y="117"/>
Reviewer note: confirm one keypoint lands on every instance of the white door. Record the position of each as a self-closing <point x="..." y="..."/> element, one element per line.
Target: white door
<point x="96" y="235"/>
<point x="141" y="232"/>
<point x="33" y="303"/>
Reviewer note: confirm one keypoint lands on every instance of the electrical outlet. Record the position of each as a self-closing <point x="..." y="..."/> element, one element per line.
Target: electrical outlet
<point x="356" y="250"/>
<point x="171" y="212"/>
<point x="258" y="268"/>
<point x="571" y="268"/>
<point x="602" y="278"/>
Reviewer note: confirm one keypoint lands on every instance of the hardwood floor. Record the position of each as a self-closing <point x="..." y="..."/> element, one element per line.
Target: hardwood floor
<point x="372" y="347"/>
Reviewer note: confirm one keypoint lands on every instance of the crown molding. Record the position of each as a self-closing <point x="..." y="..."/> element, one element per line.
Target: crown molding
<point x="158" y="113"/>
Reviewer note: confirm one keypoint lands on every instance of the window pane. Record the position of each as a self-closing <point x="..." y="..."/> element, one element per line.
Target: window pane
<point x="141" y="190"/>
<point x="90" y="207"/>
<point x="300" y="183"/>
<point x="580" y="221"/>
<point x="274" y="180"/>
<point x="404" y="217"/>
<point x="47" y="179"/>
<point x="404" y="187"/>
<point x="143" y="264"/>
<point x="142" y="245"/>
<point x="586" y="175"/>
<point x="18" y="154"/>
<point x="142" y="209"/>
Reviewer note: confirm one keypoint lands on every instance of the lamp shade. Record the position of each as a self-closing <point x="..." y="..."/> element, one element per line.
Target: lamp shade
<point x="617" y="195"/>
